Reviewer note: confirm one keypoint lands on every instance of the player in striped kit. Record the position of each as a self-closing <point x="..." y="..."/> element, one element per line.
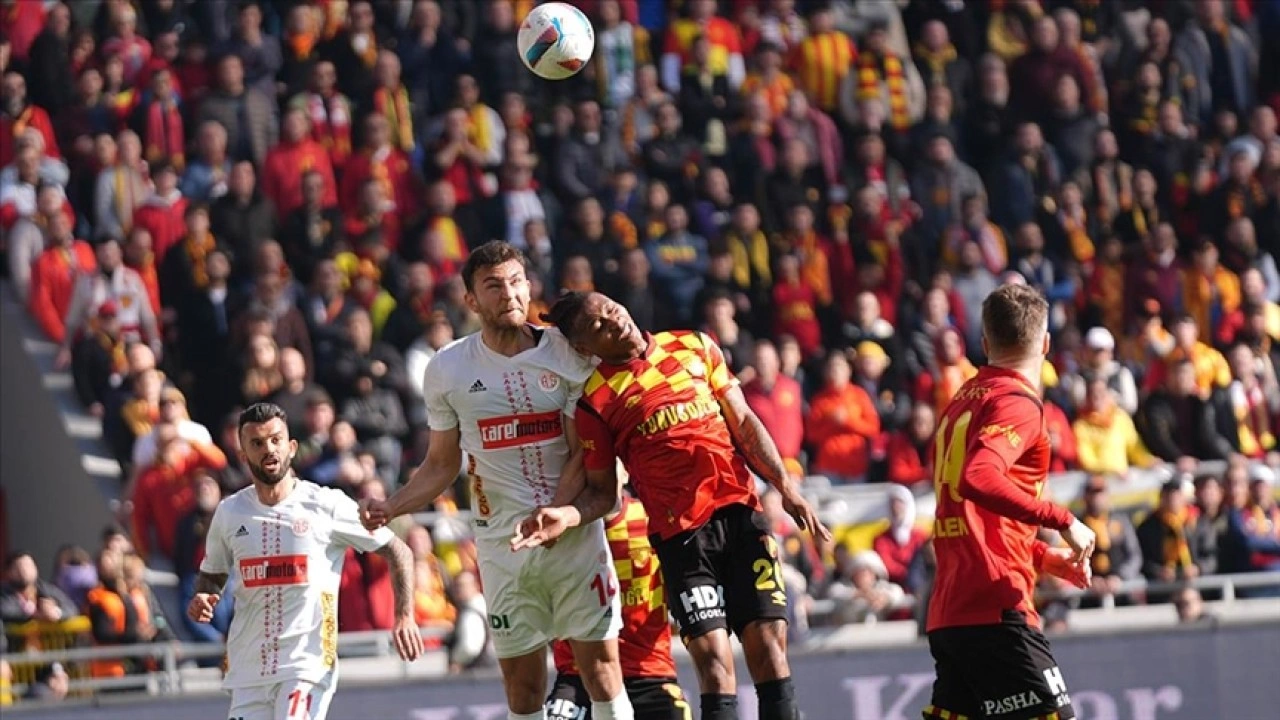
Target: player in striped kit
<point x="644" y="643"/>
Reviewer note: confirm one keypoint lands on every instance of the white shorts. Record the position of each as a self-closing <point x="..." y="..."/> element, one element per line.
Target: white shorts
<point x="289" y="700"/>
<point x="566" y="592"/>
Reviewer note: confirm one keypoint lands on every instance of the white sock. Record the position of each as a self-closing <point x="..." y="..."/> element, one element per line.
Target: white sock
<point x="539" y="715"/>
<point x="619" y="708"/>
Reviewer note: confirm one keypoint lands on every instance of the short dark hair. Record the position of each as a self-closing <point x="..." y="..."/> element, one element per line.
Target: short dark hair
<point x="494" y="252"/>
<point x="12" y="558"/>
<point x="566" y="311"/>
<point x="1014" y="318"/>
<point x="259" y="413"/>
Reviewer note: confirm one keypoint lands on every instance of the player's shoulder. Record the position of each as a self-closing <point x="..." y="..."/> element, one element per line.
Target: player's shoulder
<point x="455" y="354"/>
<point x="323" y="497"/>
<point x="555" y="354"/>
<point x="675" y="339"/>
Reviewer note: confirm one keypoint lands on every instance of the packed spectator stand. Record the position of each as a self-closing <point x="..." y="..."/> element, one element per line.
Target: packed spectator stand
<point x="207" y="204"/>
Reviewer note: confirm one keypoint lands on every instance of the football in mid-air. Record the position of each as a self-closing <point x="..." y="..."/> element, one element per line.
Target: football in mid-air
<point x="556" y="40"/>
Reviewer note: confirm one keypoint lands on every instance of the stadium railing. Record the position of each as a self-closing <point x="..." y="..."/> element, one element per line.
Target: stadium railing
<point x="371" y="655"/>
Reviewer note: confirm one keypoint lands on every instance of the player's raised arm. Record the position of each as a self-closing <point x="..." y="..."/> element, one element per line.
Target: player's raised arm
<point x="438" y="469"/>
<point x="600" y="491"/>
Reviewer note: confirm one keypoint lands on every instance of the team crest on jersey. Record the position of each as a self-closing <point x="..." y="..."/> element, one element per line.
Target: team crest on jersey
<point x="301" y="527"/>
<point x="549" y="381"/>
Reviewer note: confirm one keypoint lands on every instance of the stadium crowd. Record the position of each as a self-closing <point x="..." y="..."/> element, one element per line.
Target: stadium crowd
<point x="209" y="204"/>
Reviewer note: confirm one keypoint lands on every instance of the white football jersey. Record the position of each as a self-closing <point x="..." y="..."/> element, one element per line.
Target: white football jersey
<point x="286" y="564"/>
<point x="510" y="415"/>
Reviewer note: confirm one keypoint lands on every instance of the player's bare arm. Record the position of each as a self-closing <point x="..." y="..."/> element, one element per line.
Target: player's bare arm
<point x="431" y="478"/>
<point x="757" y="447"/>
<point x="405" y="634"/>
<point x="598" y="497"/>
<point x="208" y="593"/>
<point x="573" y="476"/>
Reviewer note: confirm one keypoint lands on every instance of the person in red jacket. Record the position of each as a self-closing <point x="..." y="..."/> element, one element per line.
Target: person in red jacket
<point x="296" y="155"/>
<point x="795" y="308"/>
<point x="842" y="421"/>
<point x="898" y="545"/>
<point x="165" y="492"/>
<point x="379" y="161"/>
<point x="908" y="449"/>
<point x="53" y="277"/>
<point x="778" y="401"/>
<point x="163" y="213"/>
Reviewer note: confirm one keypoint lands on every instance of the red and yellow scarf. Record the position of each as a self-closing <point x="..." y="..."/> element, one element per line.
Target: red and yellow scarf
<point x="872" y="69"/>
<point x="1177" y="551"/>
<point x="394" y="105"/>
<point x="164" y="136"/>
<point x="331" y="125"/>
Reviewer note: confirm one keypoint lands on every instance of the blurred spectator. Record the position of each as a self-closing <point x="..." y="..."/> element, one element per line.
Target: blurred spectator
<point x="164" y="493"/>
<point x="247" y="115"/>
<point x="469" y="646"/>
<point x="907" y="452"/>
<point x="1190" y="606"/>
<point x="157" y="119"/>
<point x="841" y="424"/>
<point x="313" y="230"/>
<point x="1099" y="364"/>
<point x="678" y="260"/>
<point x="1254" y="397"/>
<point x="778" y="401"/>
<point x="112" y="283"/>
<point x="98" y="360"/>
<point x="114" y="614"/>
<point x="1210" y="523"/>
<point x="365" y="596"/>
<point x="432" y="608"/>
<point x="55" y="275"/>
<point x="1168" y="553"/>
<point x="287" y="165"/>
<point x="898" y="545"/>
<point x="262" y="376"/>
<point x="1252" y="540"/>
<point x="951" y="369"/>
<point x="259" y="53"/>
<point x="173" y="409"/>
<point x="244" y="218"/>
<point x="1118" y="556"/>
<point x="863" y="592"/>
<point x="163" y="212"/>
<point x="152" y="624"/>
<point x="1106" y="439"/>
<point x="205" y="178"/>
<point x="26" y="596"/>
<point x="1178" y="425"/>
<point x="18" y="115"/>
<point x="121" y="188"/>
<point x="74" y="573"/>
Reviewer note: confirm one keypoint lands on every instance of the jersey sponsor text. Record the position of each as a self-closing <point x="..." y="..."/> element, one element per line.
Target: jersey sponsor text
<point x="274" y="570"/>
<point x="515" y="430"/>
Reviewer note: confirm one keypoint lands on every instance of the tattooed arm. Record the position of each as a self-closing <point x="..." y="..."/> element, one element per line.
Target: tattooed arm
<point x="407" y="637"/>
<point x="400" y="558"/>
<point x="758" y="449"/>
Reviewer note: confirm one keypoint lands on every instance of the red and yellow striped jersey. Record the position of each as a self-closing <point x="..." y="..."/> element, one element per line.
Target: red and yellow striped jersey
<point x="723" y="41"/>
<point x="660" y="414"/>
<point x="644" y="644"/>
<point x="820" y="63"/>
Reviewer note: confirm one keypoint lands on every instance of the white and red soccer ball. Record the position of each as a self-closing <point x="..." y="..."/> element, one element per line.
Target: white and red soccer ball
<point x="556" y="40"/>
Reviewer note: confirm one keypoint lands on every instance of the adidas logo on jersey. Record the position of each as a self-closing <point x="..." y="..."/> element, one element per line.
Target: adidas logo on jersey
<point x="477" y="386"/>
<point x="242" y="532"/>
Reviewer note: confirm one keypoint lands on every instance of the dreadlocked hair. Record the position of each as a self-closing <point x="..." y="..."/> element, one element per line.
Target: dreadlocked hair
<point x="566" y="310"/>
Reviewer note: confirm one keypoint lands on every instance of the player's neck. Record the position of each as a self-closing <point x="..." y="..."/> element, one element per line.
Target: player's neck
<point x="507" y="341"/>
<point x="270" y="495"/>
<point x="1030" y="369"/>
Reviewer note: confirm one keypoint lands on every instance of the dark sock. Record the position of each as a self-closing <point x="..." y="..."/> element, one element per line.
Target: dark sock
<point x="777" y="700"/>
<point x="719" y="707"/>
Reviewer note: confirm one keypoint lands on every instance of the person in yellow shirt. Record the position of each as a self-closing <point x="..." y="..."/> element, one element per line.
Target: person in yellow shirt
<point x="1106" y="439"/>
<point x="1211" y="368"/>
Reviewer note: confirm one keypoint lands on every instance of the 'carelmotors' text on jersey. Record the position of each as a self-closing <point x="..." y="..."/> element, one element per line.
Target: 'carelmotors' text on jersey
<point x="510" y="413"/>
<point x="285" y="562"/>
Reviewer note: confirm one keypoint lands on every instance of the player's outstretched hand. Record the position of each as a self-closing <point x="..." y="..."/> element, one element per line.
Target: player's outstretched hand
<point x="1081" y="539"/>
<point x="542" y="528"/>
<point x="200" y="609"/>
<point x="1061" y="563"/>
<point x="408" y="638"/>
<point x="803" y="513"/>
<point x="374" y="514"/>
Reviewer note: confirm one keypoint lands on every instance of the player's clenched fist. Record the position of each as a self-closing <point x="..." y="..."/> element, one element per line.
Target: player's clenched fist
<point x="544" y="527"/>
<point x="374" y="513"/>
<point x="201" y="607"/>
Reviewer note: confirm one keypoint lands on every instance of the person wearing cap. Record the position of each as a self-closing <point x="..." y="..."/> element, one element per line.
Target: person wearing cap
<point x="898" y="544"/>
<point x="871" y="365"/>
<point x="98" y="360"/>
<point x="1106" y="438"/>
<point x="1168" y="553"/>
<point x="1099" y="363"/>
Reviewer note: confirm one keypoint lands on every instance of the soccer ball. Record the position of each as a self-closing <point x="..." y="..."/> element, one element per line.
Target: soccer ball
<point x="556" y="41"/>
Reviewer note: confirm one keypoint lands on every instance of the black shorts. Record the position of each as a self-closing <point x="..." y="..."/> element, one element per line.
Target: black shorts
<point x="1003" y="671"/>
<point x="651" y="698"/>
<point x="725" y="574"/>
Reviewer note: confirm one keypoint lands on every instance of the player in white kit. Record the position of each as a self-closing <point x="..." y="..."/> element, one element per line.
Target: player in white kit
<point x="283" y="539"/>
<point x="506" y="395"/>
